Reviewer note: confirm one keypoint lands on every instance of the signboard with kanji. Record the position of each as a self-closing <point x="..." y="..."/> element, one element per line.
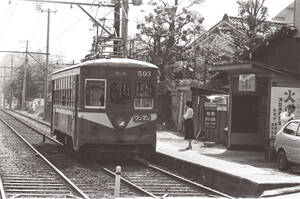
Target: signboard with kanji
<point x="280" y="98"/>
<point x="210" y="115"/>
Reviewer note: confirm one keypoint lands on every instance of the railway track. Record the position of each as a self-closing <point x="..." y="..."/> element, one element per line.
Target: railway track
<point x="153" y="181"/>
<point x="159" y="183"/>
<point x="88" y="176"/>
<point x="26" y="173"/>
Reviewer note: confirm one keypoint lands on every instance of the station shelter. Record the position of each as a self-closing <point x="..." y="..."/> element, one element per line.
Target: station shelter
<point x="257" y="95"/>
<point x="261" y="88"/>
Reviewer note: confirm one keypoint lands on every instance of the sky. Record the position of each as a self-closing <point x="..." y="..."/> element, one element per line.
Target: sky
<point x="71" y="30"/>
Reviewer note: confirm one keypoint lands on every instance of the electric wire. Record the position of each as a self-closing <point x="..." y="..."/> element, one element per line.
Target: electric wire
<point x="37" y="25"/>
<point x="6" y="26"/>
<point x="67" y="29"/>
<point x="57" y="29"/>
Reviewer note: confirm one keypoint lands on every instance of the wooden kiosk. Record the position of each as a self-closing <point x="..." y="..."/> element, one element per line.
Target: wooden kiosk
<point x="258" y="94"/>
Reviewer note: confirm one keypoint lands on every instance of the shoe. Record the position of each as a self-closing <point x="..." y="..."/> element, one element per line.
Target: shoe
<point x="188" y="148"/>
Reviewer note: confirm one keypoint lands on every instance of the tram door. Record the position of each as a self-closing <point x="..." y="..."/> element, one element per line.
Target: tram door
<point x="75" y="130"/>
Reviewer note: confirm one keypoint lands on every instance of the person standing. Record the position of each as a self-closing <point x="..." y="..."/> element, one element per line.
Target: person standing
<point x="287" y="115"/>
<point x="188" y="124"/>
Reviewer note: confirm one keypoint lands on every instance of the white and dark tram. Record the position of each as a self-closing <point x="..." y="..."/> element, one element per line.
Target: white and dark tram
<point x="106" y="106"/>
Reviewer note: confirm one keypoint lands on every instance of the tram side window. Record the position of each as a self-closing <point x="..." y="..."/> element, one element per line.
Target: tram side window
<point x="143" y="95"/>
<point x="95" y="93"/>
<point x="120" y="92"/>
<point x="63" y="92"/>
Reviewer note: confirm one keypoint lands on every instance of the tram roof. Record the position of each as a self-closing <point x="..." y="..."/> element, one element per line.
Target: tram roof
<point x="111" y="62"/>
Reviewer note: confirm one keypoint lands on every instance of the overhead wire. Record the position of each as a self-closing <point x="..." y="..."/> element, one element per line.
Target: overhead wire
<point x="6" y="26"/>
<point x="37" y="23"/>
<point x="63" y="22"/>
<point x="67" y="29"/>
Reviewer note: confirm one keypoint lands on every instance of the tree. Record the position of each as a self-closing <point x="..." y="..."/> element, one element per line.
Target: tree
<point x="253" y="23"/>
<point x="166" y="33"/>
<point x="34" y="80"/>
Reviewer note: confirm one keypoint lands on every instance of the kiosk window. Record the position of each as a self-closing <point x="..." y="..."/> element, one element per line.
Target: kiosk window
<point x="95" y="93"/>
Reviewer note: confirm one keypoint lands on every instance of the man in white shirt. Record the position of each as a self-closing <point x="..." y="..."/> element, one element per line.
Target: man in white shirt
<point x="287" y="115"/>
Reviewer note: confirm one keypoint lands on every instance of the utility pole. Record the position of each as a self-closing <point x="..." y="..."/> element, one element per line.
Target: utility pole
<point x="24" y="77"/>
<point x="116" y="27"/>
<point x="11" y="73"/>
<point x="47" y="66"/>
<point x="3" y="89"/>
<point x="125" y="26"/>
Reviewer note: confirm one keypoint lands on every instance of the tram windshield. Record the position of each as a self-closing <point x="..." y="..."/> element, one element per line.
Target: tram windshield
<point x="143" y="95"/>
<point x="95" y="93"/>
<point x="120" y="92"/>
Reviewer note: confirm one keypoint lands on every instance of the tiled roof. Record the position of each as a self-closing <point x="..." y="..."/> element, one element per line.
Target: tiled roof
<point x="233" y="25"/>
<point x="237" y="23"/>
<point x="257" y="64"/>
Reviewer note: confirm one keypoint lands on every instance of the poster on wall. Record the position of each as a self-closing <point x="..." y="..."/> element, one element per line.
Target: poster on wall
<point x="280" y="98"/>
<point x="210" y="115"/>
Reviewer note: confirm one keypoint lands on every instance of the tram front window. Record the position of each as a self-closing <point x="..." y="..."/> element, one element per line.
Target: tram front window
<point x="143" y="95"/>
<point x="95" y="93"/>
<point x="120" y="92"/>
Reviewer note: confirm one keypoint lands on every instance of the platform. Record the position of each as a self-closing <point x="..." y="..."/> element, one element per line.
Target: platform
<point x="241" y="173"/>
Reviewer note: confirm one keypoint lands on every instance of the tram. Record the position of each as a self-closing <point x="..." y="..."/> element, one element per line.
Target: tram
<point x="106" y="105"/>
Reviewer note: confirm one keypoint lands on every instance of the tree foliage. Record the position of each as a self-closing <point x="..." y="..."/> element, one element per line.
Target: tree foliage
<point x="35" y="75"/>
<point x="253" y="14"/>
<point x="166" y="33"/>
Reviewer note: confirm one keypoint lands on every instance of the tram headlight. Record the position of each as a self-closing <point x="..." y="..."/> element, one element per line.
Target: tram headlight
<point x="121" y="123"/>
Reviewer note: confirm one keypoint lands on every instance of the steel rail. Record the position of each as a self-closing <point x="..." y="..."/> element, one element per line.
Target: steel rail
<point x="155" y="168"/>
<point x="2" y="190"/>
<point x="33" y="128"/>
<point x="30" y="117"/>
<point x="130" y="183"/>
<point x="183" y="179"/>
<point x="68" y="181"/>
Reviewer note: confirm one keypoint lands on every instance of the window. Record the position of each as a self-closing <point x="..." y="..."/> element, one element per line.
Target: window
<point x="120" y="92"/>
<point x="95" y="93"/>
<point x="291" y="128"/>
<point x="64" y="91"/>
<point x="143" y="95"/>
<point x="247" y="82"/>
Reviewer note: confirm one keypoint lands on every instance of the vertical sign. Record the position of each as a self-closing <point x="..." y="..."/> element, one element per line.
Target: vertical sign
<point x="280" y="98"/>
<point x="210" y="115"/>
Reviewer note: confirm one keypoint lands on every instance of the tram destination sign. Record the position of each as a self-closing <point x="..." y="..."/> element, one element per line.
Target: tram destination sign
<point x="142" y="118"/>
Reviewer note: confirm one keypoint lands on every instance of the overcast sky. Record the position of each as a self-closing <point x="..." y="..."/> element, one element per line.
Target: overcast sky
<point x="70" y="28"/>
